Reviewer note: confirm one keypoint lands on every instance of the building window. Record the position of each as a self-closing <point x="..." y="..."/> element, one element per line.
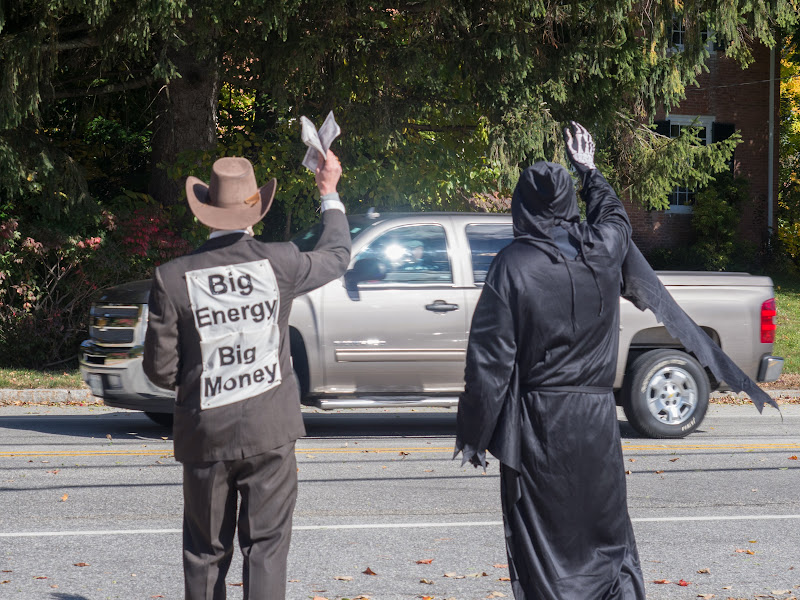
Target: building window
<point x="679" y="34"/>
<point x="682" y="198"/>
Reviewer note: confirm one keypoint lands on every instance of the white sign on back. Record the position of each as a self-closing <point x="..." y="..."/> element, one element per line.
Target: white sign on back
<point x="236" y="311"/>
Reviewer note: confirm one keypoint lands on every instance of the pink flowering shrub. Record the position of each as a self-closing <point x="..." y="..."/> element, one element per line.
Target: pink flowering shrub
<point x="48" y="279"/>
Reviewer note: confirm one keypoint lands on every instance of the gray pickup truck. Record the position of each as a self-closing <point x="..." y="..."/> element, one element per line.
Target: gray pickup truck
<point x="393" y="330"/>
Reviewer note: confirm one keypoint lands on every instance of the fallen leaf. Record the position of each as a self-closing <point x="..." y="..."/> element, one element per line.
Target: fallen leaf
<point x="793" y="457"/>
<point x="683" y="583"/>
<point x="500" y="566"/>
<point x="753" y="541"/>
<point x="428" y="471"/>
<point x="403" y="453"/>
<point x="64" y="497"/>
<point x="108" y="435"/>
<point x="428" y="581"/>
<point x="628" y="472"/>
<point x="452" y="575"/>
<point x="674" y="459"/>
<point x="427" y="597"/>
<point x="369" y="571"/>
<point x="294" y="581"/>
<point x="157" y="596"/>
<point x="54" y="586"/>
<point x="704" y="571"/>
<point x="5" y="581"/>
<point x="659" y="472"/>
<point x="54" y="471"/>
<point x="164" y="438"/>
<point x="81" y="564"/>
<point x="425" y="561"/>
<point x="631" y="460"/>
<point x="727" y="587"/>
<point x="496" y="595"/>
<point x="662" y="581"/>
<point x="344" y="577"/>
<point x="744" y="551"/>
<point x="504" y="579"/>
<point x="477" y="575"/>
<point x="781" y="592"/>
<point x="240" y="584"/>
<point x="319" y="598"/>
<point x="705" y="596"/>
<point x="39" y="577"/>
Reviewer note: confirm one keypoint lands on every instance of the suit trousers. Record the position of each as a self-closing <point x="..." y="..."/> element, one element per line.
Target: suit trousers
<point x="267" y="484"/>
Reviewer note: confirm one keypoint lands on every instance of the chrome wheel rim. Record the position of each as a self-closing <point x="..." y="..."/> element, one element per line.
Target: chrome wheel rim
<point x="672" y="395"/>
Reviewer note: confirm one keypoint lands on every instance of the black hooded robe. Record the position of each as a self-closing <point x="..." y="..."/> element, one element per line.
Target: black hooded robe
<point x="541" y="361"/>
<point x="545" y="336"/>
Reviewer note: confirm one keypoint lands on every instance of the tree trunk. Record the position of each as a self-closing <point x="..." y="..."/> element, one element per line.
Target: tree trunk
<point x="187" y="120"/>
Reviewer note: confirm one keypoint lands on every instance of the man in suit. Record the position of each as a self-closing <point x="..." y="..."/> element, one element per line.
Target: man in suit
<point x="218" y="334"/>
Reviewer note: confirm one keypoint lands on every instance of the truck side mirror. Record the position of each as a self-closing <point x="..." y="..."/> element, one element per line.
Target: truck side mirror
<point x="365" y="269"/>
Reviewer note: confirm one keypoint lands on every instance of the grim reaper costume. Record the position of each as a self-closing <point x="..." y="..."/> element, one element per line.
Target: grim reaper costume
<point x="541" y="363"/>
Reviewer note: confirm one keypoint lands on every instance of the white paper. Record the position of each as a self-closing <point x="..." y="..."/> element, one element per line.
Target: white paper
<point x="318" y="142"/>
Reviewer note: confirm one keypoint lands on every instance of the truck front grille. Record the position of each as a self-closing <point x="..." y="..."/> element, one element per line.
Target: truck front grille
<point x="113" y="324"/>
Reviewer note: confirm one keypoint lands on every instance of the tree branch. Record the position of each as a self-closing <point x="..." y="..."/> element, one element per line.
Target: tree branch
<point x="86" y="42"/>
<point x="111" y="88"/>
<point x="417" y="127"/>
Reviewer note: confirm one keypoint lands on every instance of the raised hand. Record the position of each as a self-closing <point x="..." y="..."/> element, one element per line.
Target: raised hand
<point x="580" y="147"/>
<point x="328" y="173"/>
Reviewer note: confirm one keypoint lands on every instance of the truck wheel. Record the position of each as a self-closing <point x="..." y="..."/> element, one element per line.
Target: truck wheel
<point x="665" y="394"/>
<point x="163" y="419"/>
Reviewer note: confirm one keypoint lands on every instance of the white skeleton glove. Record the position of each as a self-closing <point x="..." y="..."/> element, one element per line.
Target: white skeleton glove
<point x="580" y="148"/>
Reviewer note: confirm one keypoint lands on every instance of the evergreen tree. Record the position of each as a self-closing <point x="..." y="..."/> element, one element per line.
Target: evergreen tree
<point x="420" y="86"/>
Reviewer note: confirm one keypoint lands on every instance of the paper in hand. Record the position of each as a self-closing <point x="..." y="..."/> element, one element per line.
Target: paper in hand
<point x="318" y="142"/>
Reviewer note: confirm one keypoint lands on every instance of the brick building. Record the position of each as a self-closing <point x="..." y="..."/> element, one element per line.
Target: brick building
<point x="728" y="99"/>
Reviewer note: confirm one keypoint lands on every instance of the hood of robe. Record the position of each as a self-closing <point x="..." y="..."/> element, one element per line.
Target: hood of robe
<point x="544" y="198"/>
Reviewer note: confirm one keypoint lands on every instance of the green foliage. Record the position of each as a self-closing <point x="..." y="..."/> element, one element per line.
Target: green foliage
<point x="717" y="246"/>
<point x="788" y="207"/>
<point x="787" y="335"/>
<point x="715" y="220"/>
<point x="48" y="277"/>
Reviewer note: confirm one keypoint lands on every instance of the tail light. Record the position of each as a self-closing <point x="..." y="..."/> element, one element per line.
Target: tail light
<point x="768" y="326"/>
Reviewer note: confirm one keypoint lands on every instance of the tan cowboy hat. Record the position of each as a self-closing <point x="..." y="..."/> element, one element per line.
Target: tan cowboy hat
<point x="232" y="200"/>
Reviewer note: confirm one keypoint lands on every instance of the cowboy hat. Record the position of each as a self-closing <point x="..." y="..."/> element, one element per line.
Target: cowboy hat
<point x="232" y="199"/>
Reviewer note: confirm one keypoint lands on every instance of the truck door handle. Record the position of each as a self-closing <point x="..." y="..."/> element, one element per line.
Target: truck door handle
<point x="441" y="306"/>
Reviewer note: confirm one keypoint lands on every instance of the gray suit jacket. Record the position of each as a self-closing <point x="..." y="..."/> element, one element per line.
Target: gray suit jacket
<point x="217" y="332"/>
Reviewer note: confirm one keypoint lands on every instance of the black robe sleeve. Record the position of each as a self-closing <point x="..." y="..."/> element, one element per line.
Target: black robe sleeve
<point x="491" y="356"/>
<point x="644" y="289"/>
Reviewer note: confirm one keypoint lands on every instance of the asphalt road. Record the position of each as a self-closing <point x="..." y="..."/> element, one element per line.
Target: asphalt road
<point x="86" y="516"/>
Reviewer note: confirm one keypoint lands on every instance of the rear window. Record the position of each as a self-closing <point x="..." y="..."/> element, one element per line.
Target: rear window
<point x="485" y="241"/>
<point x="307" y="239"/>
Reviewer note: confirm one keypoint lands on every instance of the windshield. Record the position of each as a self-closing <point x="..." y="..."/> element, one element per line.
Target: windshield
<point x="307" y="239"/>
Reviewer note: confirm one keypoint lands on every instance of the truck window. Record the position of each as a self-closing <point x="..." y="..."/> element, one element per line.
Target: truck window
<point x="412" y="254"/>
<point x="306" y="240"/>
<point x="485" y="241"/>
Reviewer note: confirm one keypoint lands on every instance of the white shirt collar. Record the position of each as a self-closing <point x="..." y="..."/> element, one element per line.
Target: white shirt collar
<point x="221" y="232"/>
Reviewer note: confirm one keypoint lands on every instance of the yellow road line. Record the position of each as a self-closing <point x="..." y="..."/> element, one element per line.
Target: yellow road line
<point x="711" y="446"/>
<point x="420" y="449"/>
<point x="88" y="453"/>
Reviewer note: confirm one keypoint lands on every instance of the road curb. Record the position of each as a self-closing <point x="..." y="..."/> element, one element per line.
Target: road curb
<point x="48" y="396"/>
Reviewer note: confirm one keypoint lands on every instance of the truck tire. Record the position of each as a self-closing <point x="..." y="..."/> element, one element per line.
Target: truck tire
<point x="163" y="419"/>
<point x="665" y="394"/>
